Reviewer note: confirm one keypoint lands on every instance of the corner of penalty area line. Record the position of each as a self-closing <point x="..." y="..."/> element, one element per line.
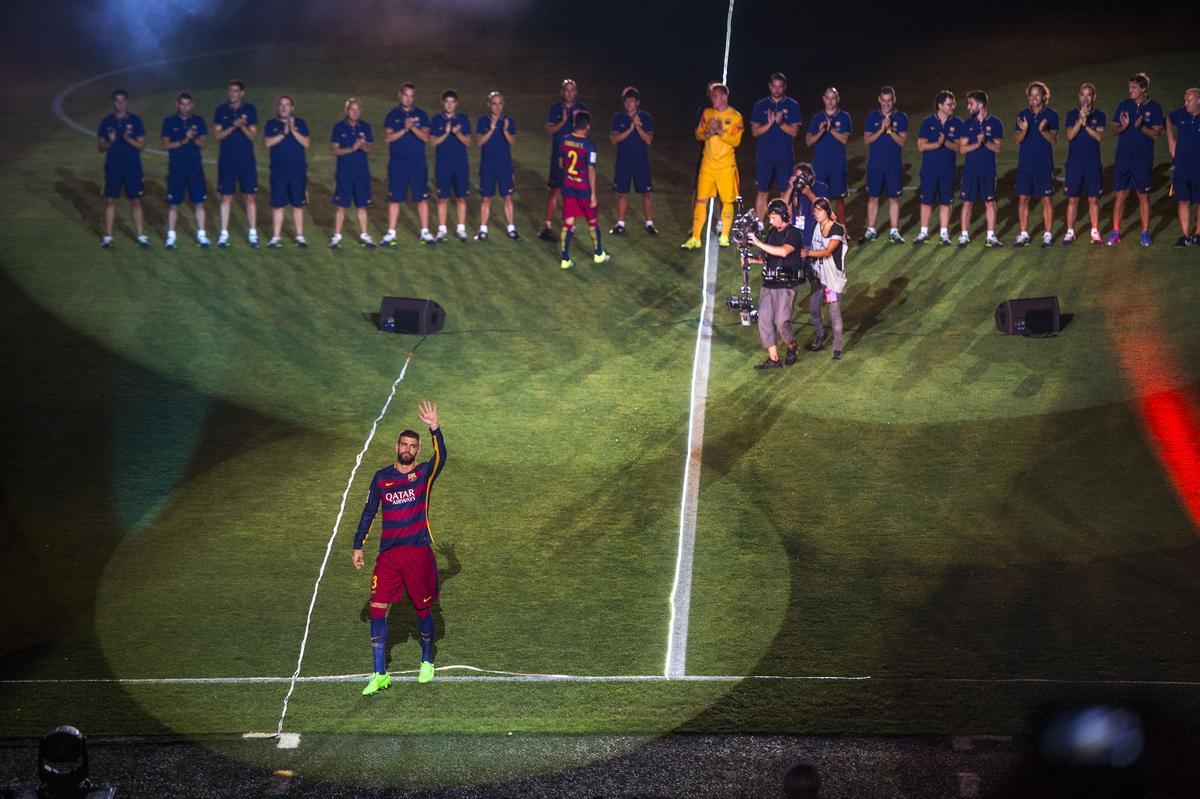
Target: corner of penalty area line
<point x="286" y="740"/>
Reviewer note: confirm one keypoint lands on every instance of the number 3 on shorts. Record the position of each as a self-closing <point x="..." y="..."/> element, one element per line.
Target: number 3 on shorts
<point x="374" y="582"/>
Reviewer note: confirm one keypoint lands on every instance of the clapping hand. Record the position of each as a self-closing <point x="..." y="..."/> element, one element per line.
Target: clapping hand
<point x="427" y="413"/>
<point x="409" y="122"/>
<point x="1043" y="124"/>
<point x="824" y="126"/>
<point x="1022" y="123"/>
<point x="112" y="135"/>
<point x="1125" y="119"/>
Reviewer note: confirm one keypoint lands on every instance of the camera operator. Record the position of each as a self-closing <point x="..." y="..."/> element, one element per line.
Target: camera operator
<point x="782" y="272"/>
<point x="804" y="190"/>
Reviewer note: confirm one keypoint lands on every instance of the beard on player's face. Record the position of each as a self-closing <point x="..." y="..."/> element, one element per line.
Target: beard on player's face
<point x="406" y="458"/>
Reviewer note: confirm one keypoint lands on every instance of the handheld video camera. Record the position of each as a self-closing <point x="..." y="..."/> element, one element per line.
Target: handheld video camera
<point x="744" y="224"/>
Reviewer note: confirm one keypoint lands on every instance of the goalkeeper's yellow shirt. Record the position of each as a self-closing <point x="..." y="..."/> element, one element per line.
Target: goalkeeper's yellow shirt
<point x="718" y="150"/>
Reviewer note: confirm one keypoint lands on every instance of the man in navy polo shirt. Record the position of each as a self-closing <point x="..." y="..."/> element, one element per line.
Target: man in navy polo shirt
<point x="406" y="130"/>
<point x="235" y="125"/>
<point x="1037" y="133"/>
<point x="632" y="132"/>
<point x="828" y="132"/>
<point x="1137" y="123"/>
<point x="1085" y="130"/>
<point x="775" y="123"/>
<point x="351" y="142"/>
<point x="1183" y="140"/>
<point x="450" y="135"/>
<point x="122" y="137"/>
<point x="183" y="136"/>
<point x="937" y="140"/>
<point x="885" y="132"/>
<point x="560" y="122"/>
<point x="286" y="137"/>
<point x="496" y="135"/>
<point x="979" y="141"/>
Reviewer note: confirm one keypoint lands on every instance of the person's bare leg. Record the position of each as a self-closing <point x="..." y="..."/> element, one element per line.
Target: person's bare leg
<point x="944" y="216"/>
<point x="362" y="221"/>
<point x="198" y="208"/>
<point x="840" y="204"/>
<point x="1144" y="209"/>
<point x="760" y="204"/>
<point x="966" y="215"/>
<point x="460" y="210"/>
<point x="1047" y="215"/>
<point x="226" y="202"/>
<point x="926" y="212"/>
<point x="442" y="204"/>
<point x="1185" y="217"/>
<point x="648" y="206"/>
<point x="551" y="204"/>
<point x="989" y="210"/>
<point x="485" y="210"/>
<point x="508" y="208"/>
<point x="1094" y="212"/>
<point x="297" y="219"/>
<point x="277" y="223"/>
<point x="894" y="212"/>
<point x="1072" y="212"/>
<point x="423" y="213"/>
<point x="1119" y="208"/>
<point x="872" y="212"/>
<point x="110" y="215"/>
<point x="1023" y="213"/>
<point x="172" y="217"/>
<point x="339" y="217"/>
<point x="251" y="212"/>
<point x="622" y="206"/>
<point x="139" y="218"/>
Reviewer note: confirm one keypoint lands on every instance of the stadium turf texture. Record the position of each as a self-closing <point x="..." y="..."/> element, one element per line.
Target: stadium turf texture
<point x="943" y="509"/>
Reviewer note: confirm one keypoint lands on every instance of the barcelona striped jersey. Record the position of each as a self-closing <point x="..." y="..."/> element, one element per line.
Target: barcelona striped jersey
<point x="577" y="153"/>
<point x="404" y="501"/>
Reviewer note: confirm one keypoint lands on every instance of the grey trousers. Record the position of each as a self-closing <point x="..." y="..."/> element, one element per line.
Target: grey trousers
<point x="776" y="307"/>
<point x="815" y="301"/>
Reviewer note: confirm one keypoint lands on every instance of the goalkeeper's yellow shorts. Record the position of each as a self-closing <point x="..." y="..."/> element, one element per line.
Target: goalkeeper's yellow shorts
<point x="721" y="183"/>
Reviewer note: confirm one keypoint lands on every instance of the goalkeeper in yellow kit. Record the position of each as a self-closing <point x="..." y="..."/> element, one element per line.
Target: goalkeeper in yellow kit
<point x="720" y="129"/>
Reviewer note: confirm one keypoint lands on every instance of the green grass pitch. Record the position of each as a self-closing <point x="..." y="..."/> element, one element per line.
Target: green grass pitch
<point x="945" y="510"/>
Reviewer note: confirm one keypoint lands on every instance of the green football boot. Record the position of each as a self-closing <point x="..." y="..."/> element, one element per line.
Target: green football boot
<point x="426" y="672"/>
<point x="377" y="683"/>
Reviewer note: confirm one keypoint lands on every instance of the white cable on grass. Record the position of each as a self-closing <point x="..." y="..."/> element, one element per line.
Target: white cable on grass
<point x="681" y="588"/>
<point x="329" y="546"/>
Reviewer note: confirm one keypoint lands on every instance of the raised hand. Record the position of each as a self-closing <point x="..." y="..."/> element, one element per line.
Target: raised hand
<point x="427" y="413"/>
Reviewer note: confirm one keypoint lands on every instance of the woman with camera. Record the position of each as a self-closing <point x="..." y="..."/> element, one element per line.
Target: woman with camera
<point x="828" y="254"/>
<point x="782" y="272"/>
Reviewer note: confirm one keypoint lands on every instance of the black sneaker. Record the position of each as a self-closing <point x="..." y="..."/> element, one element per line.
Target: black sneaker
<point x="1183" y="241"/>
<point x="770" y="363"/>
<point x="545" y="235"/>
<point x="818" y="342"/>
<point x="650" y="231"/>
<point x="617" y="229"/>
<point x="790" y="357"/>
<point x="513" y="234"/>
<point x="837" y="355"/>
<point x="1195" y="240"/>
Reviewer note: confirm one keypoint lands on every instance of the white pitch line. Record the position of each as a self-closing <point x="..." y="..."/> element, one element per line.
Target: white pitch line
<point x="681" y="587"/>
<point x="329" y="546"/>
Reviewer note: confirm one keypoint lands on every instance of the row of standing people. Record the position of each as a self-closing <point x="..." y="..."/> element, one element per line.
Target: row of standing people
<point x="408" y="129"/>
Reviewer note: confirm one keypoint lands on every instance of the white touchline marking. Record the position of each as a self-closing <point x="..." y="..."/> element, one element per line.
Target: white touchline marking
<point x="681" y="588"/>
<point x="333" y="535"/>
<point x="495" y="675"/>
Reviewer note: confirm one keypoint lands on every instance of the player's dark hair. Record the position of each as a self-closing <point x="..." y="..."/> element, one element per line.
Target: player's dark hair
<point x="631" y="91"/>
<point x="120" y="93"/>
<point x="582" y="120"/>
<point x="979" y="96"/>
<point x="943" y="96"/>
<point x="446" y="95"/>
<point x="777" y="76"/>
<point x="887" y="91"/>
<point x="408" y="86"/>
<point x="182" y="96"/>
<point x="241" y="86"/>
<point x="778" y="206"/>
<point x="408" y="434"/>
<point x="287" y="97"/>
<point x="1141" y="79"/>
<point x="1037" y="84"/>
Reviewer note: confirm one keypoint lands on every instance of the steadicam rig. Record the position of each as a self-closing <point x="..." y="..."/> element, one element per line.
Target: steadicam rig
<point x="745" y="222"/>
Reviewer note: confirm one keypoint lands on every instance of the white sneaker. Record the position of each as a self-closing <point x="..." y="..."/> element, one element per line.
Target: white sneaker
<point x="300" y="242"/>
<point x="963" y="239"/>
<point x="1068" y="237"/>
<point x="365" y="240"/>
<point x="461" y="232"/>
<point x="202" y="240"/>
<point x="274" y="242"/>
<point x="336" y="241"/>
<point x="253" y="239"/>
<point x="1047" y="240"/>
<point x="389" y="239"/>
<point x="1022" y="239"/>
<point x="441" y="234"/>
<point x="171" y="240"/>
<point x="106" y="242"/>
<point x="223" y="239"/>
<point x="1096" y="237"/>
<point x="143" y="240"/>
<point x="427" y="238"/>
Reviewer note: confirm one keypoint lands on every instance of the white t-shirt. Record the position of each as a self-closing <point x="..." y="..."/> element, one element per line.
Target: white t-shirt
<point x="831" y="269"/>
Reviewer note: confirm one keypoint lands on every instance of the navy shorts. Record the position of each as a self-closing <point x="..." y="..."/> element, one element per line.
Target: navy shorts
<point x="408" y="180"/>
<point x="978" y="186"/>
<point x="937" y="189"/>
<point x="556" y="173"/>
<point x="452" y="179"/>
<point x="491" y="180"/>
<point x="1080" y="182"/>
<point x="1185" y="187"/>
<point x="1131" y="173"/>
<point x="129" y="180"/>
<point x="191" y="182"/>
<point x="231" y="174"/>
<point x="632" y="172"/>
<point x="836" y="181"/>
<point x="289" y="189"/>
<point x="353" y="187"/>
<point x="768" y="173"/>
<point x="878" y="179"/>
<point x="1035" y="183"/>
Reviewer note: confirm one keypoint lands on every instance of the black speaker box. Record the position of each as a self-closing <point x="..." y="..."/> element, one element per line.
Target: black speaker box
<point x="410" y="315"/>
<point x="1028" y="317"/>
